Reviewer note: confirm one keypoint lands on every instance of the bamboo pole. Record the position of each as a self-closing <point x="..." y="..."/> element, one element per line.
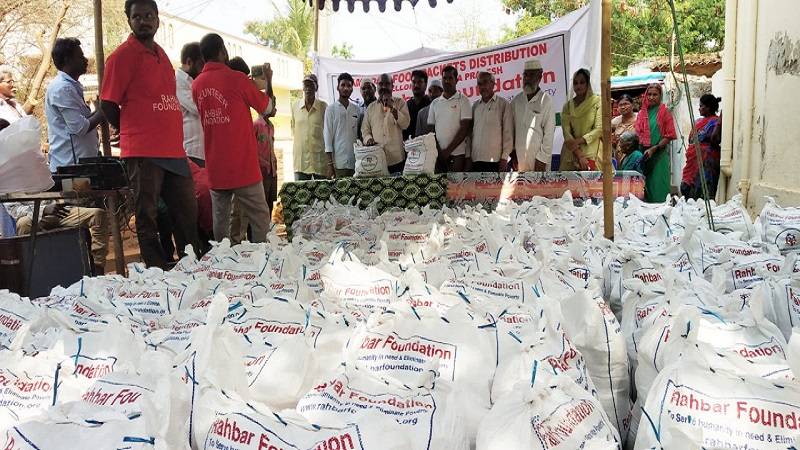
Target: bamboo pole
<point x="605" y="88"/>
<point x="100" y="62"/>
<point x="315" y="5"/>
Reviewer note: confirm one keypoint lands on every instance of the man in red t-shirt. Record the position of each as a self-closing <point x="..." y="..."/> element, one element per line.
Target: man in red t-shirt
<point x="224" y="98"/>
<point x="139" y="98"/>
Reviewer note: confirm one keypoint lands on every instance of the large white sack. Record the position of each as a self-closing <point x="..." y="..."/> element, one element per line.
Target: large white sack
<point x="551" y="414"/>
<point x="16" y="316"/>
<point x="732" y="217"/>
<point x="715" y="408"/>
<point x="593" y="329"/>
<point x="62" y="429"/>
<point x="23" y="167"/>
<point x="227" y="421"/>
<point x="432" y="417"/>
<point x="780" y="226"/>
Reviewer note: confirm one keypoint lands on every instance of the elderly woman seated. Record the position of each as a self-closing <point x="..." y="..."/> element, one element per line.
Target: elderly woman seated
<point x="630" y="154"/>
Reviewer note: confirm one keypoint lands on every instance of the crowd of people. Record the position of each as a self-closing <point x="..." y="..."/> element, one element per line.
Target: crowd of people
<point x="201" y="168"/>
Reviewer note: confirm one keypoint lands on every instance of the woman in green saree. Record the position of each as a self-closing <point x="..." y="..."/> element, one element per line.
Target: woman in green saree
<point x="656" y="129"/>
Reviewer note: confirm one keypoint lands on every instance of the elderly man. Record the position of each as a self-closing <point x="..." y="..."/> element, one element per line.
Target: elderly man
<point x="434" y="91"/>
<point x="384" y="123"/>
<point x="534" y="121"/>
<point x="493" y="128"/>
<point x="450" y="117"/>
<point x="308" y="118"/>
<point x="10" y="109"/>
<point x="139" y="97"/>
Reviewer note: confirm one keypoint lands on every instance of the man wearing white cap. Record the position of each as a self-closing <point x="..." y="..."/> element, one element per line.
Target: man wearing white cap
<point x="435" y="90"/>
<point x="534" y="121"/>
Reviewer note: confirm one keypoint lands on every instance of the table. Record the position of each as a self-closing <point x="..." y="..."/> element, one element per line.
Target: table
<point x="453" y="189"/>
<point x="402" y="192"/>
<point x="112" y="201"/>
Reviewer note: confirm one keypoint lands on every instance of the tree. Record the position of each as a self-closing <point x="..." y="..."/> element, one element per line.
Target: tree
<point x="639" y="28"/>
<point x="291" y="31"/>
<point x="344" y="51"/>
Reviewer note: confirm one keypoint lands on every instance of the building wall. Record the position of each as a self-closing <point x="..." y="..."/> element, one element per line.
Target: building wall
<point x="763" y="116"/>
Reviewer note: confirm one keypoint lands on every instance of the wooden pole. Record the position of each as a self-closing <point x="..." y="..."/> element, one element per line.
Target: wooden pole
<point x="316" y="27"/>
<point x="100" y="63"/>
<point x="605" y="88"/>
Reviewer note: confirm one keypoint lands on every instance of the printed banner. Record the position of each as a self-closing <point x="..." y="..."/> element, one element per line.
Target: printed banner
<point x="506" y="63"/>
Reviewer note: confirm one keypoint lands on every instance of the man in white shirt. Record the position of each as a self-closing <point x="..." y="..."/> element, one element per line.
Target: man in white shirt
<point x="450" y="117"/>
<point x="340" y="130"/>
<point x="192" y="63"/>
<point x="534" y="122"/>
<point x="10" y="109"/>
<point x="492" y="129"/>
<point x="384" y="123"/>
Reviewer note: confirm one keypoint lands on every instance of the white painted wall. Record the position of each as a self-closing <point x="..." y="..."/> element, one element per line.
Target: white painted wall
<point x="763" y="116"/>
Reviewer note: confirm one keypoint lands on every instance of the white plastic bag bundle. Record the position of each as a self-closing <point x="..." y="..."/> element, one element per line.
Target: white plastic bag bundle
<point x="779" y="300"/>
<point x="27" y="386"/>
<point x="717" y="408"/>
<point x="593" y="329"/>
<point x="227" y="421"/>
<point x="64" y="430"/>
<point x="409" y="351"/>
<point x="355" y="286"/>
<point x="550" y="350"/>
<point x="23" y="167"/>
<point x="780" y="226"/>
<point x="16" y="316"/>
<point x="742" y="333"/>
<point x="732" y="217"/>
<point x="421" y="154"/>
<point x="552" y="414"/>
<point x="370" y="161"/>
<point x="430" y="416"/>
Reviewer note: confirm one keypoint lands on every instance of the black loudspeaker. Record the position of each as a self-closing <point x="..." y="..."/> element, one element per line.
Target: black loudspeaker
<point x="62" y="257"/>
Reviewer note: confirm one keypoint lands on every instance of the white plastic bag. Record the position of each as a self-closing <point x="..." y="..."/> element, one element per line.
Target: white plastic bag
<point x="421" y="154"/>
<point x="370" y="161"/>
<point x="23" y="167"/>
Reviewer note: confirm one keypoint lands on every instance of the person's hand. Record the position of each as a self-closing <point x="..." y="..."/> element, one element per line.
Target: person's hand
<point x="57" y="210"/>
<point x="649" y="152"/>
<point x="539" y="166"/>
<point x="370" y="142"/>
<point x="267" y="72"/>
<point x="503" y="165"/>
<point x="467" y="164"/>
<point x="330" y="172"/>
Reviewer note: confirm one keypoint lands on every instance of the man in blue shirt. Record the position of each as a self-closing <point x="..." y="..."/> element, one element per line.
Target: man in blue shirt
<point x="71" y="125"/>
<point x="72" y="134"/>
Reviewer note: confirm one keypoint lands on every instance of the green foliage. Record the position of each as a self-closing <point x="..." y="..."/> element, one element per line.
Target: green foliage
<point x="344" y="51"/>
<point x="639" y="28"/>
<point x="291" y="31"/>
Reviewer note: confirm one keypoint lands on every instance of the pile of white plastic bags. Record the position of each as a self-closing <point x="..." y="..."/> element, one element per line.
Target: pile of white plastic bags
<point x="519" y="328"/>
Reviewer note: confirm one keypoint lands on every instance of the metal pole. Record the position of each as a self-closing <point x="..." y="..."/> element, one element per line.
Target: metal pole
<point x="605" y="88"/>
<point x="100" y="59"/>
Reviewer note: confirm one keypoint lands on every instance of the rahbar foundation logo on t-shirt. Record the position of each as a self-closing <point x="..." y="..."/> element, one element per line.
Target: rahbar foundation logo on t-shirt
<point x="211" y="115"/>
<point x="167" y="103"/>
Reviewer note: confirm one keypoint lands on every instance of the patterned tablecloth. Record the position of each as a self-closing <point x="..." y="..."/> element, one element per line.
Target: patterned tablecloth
<point x="453" y="189"/>
<point x="401" y="192"/>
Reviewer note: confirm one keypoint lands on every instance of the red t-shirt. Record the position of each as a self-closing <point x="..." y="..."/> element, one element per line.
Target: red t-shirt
<point x="142" y="82"/>
<point x="224" y="98"/>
